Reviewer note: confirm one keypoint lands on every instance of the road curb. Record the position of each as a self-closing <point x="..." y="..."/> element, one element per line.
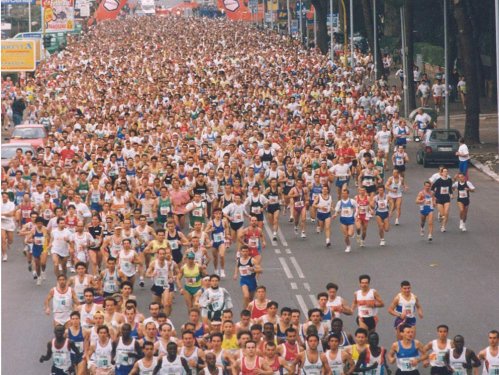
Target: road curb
<point x="483" y="168"/>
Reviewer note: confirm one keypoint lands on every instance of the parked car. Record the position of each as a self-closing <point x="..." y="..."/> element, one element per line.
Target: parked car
<point x="9" y="151"/>
<point x="439" y="146"/>
<point x="34" y="134"/>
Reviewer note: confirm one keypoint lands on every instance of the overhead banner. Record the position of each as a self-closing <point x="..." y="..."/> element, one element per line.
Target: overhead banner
<point x="18" y="55"/>
<point x="238" y="10"/>
<point x="58" y="15"/>
<point x="109" y="9"/>
<point x="15" y="2"/>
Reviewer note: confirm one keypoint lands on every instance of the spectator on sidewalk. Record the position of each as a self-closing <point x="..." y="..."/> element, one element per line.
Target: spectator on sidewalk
<point x="18" y="107"/>
<point x="464" y="157"/>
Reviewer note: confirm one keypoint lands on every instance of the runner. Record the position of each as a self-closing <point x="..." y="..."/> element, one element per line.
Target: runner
<point x="395" y="185"/>
<point x="300" y="205"/>
<point x="373" y="359"/>
<point x="347" y="209"/>
<point x="337" y="358"/>
<point x="311" y="361"/>
<point x="63" y="300"/>
<point x="38" y="237"/>
<point x="362" y="215"/>
<point x="404" y="307"/>
<point x="439" y="349"/>
<point x="400" y="159"/>
<point x="214" y="300"/>
<point x="341" y="172"/>
<point x="102" y="350"/>
<point x="59" y="349"/>
<point x="257" y="203"/>
<point x="192" y="272"/>
<point x="248" y="269"/>
<point x="250" y="362"/>
<point x="323" y="203"/>
<point x="218" y="230"/>
<point x="253" y="237"/>
<point x="381" y="207"/>
<point x="146" y="365"/>
<point x="367" y="301"/>
<point x="426" y="201"/>
<point x="61" y="246"/>
<point x="442" y="188"/>
<point x="338" y="304"/>
<point x="274" y="196"/>
<point x="407" y="353"/>
<point x="464" y="187"/>
<point x="490" y="355"/>
<point x="460" y="359"/>
<point x="160" y="270"/>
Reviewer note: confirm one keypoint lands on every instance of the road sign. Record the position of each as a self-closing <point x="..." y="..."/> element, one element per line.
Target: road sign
<point x="18" y="55"/>
<point x="15" y="2"/>
<point x="294" y="27"/>
<point x="335" y="20"/>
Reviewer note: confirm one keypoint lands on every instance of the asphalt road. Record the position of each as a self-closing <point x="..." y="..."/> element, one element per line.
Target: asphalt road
<point x="456" y="277"/>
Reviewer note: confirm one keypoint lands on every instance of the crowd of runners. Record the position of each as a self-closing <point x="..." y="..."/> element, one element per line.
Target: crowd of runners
<point x="172" y="141"/>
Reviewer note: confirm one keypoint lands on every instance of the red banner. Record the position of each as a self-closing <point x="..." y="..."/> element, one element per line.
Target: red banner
<point x="109" y="9"/>
<point x="237" y="10"/>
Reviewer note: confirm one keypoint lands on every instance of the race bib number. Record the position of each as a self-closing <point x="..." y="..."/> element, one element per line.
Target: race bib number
<point x="164" y="210"/>
<point x="190" y="280"/>
<point x="365" y="311"/>
<point x="399" y="161"/>
<point x="299" y="204"/>
<point x="273" y="200"/>
<point x="427" y="202"/>
<point x="362" y="210"/>
<point x="198" y="212"/>
<point x="367" y="182"/>
<point x="124" y="359"/>
<point x="342" y="178"/>
<point x="95" y="198"/>
<point x="160" y="281"/>
<point x="218" y="237"/>
<point x="346" y="212"/>
<point x="381" y="204"/>
<point x="102" y="361"/>
<point x="244" y="270"/>
<point x="253" y="242"/>
<point x="444" y="190"/>
<point x="238" y="217"/>
<point x="405" y="364"/>
<point x="256" y="210"/>
<point x="173" y="244"/>
<point x="59" y="359"/>
<point x="463" y="194"/>
<point x="127" y="266"/>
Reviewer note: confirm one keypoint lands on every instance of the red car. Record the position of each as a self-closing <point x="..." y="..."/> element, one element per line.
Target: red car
<point x="34" y="134"/>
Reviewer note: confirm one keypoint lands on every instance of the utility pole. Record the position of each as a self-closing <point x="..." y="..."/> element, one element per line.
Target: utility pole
<point x="375" y="22"/>
<point x="351" y="35"/>
<point x="497" y="69"/>
<point x="404" y="61"/>
<point x="331" y="42"/>
<point x="289" y="16"/>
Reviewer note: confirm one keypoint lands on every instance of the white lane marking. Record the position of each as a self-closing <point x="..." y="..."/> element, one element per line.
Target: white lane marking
<point x="306" y="286"/>
<point x="293" y="286"/>
<point x="281" y="238"/>
<point x="269" y="232"/>
<point x="302" y="304"/>
<point x="277" y="251"/>
<point x="288" y="251"/>
<point x="285" y="267"/>
<point x="312" y="298"/>
<point x="297" y="267"/>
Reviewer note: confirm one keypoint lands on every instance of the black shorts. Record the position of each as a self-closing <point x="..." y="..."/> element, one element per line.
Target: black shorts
<point x="370" y="322"/>
<point x="273" y="208"/>
<point x="464" y="202"/>
<point x="436" y="370"/>
<point x="400" y="168"/>
<point x="259" y="217"/>
<point x="370" y="189"/>
<point x="57" y="371"/>
<point x="158" y="290"/>
<point x="443" y="199"/>
<point x="236" y="226"/>
<point x="400" y="372"/>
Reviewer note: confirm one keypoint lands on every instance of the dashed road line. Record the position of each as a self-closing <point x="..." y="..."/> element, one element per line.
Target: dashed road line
<point x="294" y="286"/>
<point x="281" y="238"/>
<point x="306" y="286"/>
<point x="312" y="298"/>
<point x="288" y="251"/>
<point x="297" y="267"/>
<point x="277" y="251"/>
<point x="285" y="267"/>
<point x="302" y="304"/>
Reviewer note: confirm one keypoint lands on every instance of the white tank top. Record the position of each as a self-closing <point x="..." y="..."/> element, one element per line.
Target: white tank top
<point x="457" y="364"/>
<point x="90" y="315"/>
<point x="336" y="363"/>
<point x="147" y="370"/>
<point x="194" y="356"/>
<point x="122" y="353"/>
<point x="363" y="310"/>
<point x="161" y="273"/>
<point x="126" y="263"/>
<point x="335" y="305"/>
<point x="437" y="357"/>
<point x="115" y="248"/>
<point x="62" y="302"/>
<point x="491" y="363"/>
<point x="310" y="368"/>
<point x="61" y="357"/>
<point x="79" y="286"/>
<point x="220" y="357"/>
<point x="324" y="205"/>
<point x="409" y="306"/>
<point x="103" y="354"/>
<point x="172" y="368"/>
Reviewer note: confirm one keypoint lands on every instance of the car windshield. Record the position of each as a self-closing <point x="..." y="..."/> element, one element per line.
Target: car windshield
<point x="28" y="133"/>
<point x="444" y="136"/>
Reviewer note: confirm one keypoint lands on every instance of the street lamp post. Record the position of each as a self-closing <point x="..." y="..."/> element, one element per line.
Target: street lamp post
<point x="331" y="29"/>
<point x="404" y="61"/>
<point x="497" y="69"/>
<point x="447" y="125"/>
<point x="375" y="22"/>
<point x="351" y="34"/>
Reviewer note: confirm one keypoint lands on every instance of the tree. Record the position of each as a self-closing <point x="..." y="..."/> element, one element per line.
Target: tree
<point x="471" y="68"/>
<point x="409" y="75"/>
<point x="321" y="11"/>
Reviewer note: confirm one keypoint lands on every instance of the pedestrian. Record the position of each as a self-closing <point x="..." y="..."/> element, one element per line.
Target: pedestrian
<point x="464" y="157"/>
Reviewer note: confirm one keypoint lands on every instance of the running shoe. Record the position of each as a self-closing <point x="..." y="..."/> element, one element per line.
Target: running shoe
<point x="348" y="249"/>
<point x="43" y="275"/>
<point x="222" y="274"/>
<point x="35" y="276"/>
<point x="217" y="272"/>
<point x="274" y="237"/>
<point x="430" y="238"/>
<point x="39" y="281"/>
<point x="362" y="244"/>
<point x="463" y="229"/>
<point x="421" y="232"/>
<point x="312" y="220"/>
<point x="396" y="221"/>
<point x="318" y="230"/>
<point x="291" y="219"/>
<point x="442" y="229"/>
<point x="303" y="235"/>
<point x="30" y="269"/>
<point x="141" y="283"/>
<point x="4" y="258"/>
<point x="296" y="230"/>
<point x="328" y="243"/>
<point x="358" y="238"/>
<point x="382" y="242"/>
